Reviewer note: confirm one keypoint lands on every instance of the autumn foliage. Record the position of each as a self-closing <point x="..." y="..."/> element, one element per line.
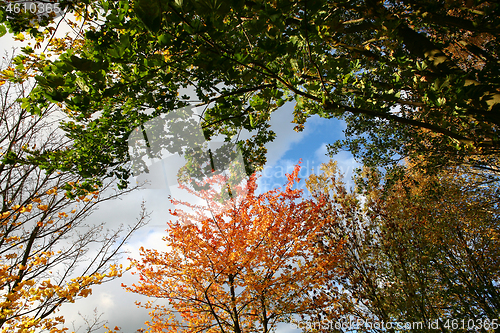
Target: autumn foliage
<point x="419" y="247"/>
<point x="240" y="265"/>
<point x="49" y="255"/>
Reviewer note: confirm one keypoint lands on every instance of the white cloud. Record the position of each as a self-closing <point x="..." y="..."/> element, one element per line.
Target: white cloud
<point x="106" y="301"/>
<point x="281" y="124"/>
<point x="345" y="160"/>
<point x="321" y="154"/>
<point x="117" y="306"/>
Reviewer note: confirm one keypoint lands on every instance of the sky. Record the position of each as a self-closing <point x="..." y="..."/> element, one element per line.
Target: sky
<point x="116" y="305"/>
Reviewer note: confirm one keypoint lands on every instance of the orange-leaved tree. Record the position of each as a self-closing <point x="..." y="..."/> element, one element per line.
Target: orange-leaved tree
<point x="240" y="264"/>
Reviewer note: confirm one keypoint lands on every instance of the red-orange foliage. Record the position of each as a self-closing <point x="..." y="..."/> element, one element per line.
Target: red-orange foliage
<point x="242" y="265"/>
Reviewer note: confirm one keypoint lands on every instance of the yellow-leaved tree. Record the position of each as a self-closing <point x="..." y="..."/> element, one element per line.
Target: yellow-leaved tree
<point x="48" y="254"/>
<point x="420" y="248"/>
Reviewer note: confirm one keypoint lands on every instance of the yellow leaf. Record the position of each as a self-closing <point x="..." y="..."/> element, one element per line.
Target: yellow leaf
<point x="43" y="207"/>
<point x="52" y="191"/>
<point x="26" y="209"/>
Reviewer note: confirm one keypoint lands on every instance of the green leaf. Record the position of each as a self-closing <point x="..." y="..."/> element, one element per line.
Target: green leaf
<point x="105" y="5"/>
<point x="3" y="30"/>
<point x="164" y="39"/>
<point x="84" y="65"/>
<point x="149" y="12"/>
<point x="25" y="103"/>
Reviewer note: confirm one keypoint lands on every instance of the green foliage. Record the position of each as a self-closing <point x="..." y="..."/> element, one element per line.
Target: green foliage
<point x="410" y="79"/>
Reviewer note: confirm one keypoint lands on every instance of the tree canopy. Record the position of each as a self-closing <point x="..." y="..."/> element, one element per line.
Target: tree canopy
<point x="413" y="80"/>
<point x="409" y="78"/>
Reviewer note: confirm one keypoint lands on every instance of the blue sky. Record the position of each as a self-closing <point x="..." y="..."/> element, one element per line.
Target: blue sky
<point x="308" y="146"/>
